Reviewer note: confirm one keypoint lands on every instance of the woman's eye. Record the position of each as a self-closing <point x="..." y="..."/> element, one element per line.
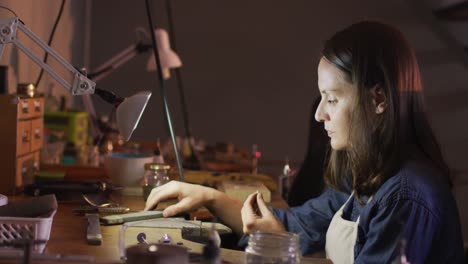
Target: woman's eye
<point x="332" y="101"/>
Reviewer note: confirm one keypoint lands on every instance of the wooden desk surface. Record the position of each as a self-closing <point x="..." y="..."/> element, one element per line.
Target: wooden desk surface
<point x="68" y="238"/>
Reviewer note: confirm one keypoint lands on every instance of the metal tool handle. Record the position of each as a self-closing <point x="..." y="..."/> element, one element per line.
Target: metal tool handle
<point x="93" y="232"/>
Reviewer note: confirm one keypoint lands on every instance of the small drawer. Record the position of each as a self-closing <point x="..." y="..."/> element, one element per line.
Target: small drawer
<point x="25" y="108"/>
<point x="23" y="137"/>
<point x="36" y="107"/>
<point x="37" y="133"/>
<point x="26" y="167"/>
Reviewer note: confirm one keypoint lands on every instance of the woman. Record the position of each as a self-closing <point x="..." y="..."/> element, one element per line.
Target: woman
<point x="386" y="179"/>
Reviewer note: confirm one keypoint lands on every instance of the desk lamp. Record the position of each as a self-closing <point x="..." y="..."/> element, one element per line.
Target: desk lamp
<point x="129" y="110"/>
<point x="169" y="59"/>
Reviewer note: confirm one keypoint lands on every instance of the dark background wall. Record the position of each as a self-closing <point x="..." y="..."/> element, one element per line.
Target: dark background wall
<point x="249" y="66"/>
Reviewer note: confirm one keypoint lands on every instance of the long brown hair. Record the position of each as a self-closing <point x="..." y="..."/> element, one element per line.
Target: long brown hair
<point x="374" y="54"/>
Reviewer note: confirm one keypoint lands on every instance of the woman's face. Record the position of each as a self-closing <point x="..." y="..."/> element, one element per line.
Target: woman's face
<point x="336" y="104"/>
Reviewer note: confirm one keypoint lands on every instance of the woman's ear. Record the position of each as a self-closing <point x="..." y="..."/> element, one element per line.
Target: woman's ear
<point x="379" y="99"/>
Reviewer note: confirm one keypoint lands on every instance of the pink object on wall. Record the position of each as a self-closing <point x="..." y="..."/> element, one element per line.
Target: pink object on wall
<point x="169" y="59"/>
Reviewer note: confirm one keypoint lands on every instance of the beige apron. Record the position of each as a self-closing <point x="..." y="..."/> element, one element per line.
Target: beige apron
<point x="341" y="238"/>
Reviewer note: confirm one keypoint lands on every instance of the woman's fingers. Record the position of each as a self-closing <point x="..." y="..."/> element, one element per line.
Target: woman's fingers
<point x="183" y="205"/>
<point x="249" y="220"/>
<point x="262" y="206"/>
<point x="161" y="193"/>
<point x="257" y="216"/>
<point x="250" y="203"/>
<point x="248" y="214"/>
<point x="247" y="210"/>
<point x="268" y="217"/>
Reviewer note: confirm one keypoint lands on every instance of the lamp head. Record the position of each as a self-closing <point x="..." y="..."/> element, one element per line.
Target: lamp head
<point x="128" y="110"/>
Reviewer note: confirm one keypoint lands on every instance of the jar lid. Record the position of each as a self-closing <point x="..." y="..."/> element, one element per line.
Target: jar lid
<point x="157" y="166"/>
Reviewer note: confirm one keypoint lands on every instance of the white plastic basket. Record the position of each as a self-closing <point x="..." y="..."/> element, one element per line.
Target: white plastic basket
<point x="12" y="228"/>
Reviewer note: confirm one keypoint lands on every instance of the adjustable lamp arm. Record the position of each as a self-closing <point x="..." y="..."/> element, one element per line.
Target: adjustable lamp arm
<point x="129" y="109"/>
<point x="8" y="34"/>
<point x="118" y="60"/>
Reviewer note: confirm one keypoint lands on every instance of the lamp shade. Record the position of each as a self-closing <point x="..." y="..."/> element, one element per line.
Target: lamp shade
<point x="169" y="59"/>
<point x="128" y="113"/>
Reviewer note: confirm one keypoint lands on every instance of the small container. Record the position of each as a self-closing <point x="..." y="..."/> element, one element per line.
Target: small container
<point x="269" y="247"/>
<point x="26" y="90"/>
<point x="126" y="169"/>
<point x="155" y="175"/>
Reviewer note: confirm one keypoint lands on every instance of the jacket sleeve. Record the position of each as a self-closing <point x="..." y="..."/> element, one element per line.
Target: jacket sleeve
<point x="311" y="220"/>
<point x="401" y="220"/>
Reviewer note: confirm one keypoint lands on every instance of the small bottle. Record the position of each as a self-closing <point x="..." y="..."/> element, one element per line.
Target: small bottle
<point x="158" y="157"/>
<point x="93" y="155"/>
<point x="284" y="180"/>
<point x="105" y="143"/>
<point x="191" y="159"/>
<point x="270" y="247"/>
<point x="155" y="175"/>
<point x="255" y="156"/>
<point x="186" y="149"/>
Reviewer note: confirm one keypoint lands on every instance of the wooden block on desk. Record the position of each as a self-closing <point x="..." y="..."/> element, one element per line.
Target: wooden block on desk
<point x="242" y="189"/>
<point x="216" y="178"/>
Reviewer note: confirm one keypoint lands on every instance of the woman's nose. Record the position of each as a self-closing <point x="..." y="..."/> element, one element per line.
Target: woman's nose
<point x="320" y="114"/>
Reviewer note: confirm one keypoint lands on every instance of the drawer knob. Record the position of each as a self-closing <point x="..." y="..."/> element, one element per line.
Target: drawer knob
<point x="37" y="133"/>
<point x="37" y="106"/>
<point x="24" y="105"/>
<point x="25" y="136"/>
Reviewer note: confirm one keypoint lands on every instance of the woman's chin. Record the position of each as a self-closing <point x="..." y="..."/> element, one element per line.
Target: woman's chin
<point x="337" y="145"/>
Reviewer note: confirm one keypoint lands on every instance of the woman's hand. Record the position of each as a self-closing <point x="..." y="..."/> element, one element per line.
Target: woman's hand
<point x="257" y="216"/>
<point x="190" y="197"/>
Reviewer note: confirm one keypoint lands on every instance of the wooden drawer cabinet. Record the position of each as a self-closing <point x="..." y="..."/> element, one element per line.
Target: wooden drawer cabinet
<point x="21" y="139"/>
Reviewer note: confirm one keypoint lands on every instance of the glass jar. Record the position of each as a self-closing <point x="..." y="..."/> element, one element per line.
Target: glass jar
<point x="273" y="248"/>
<point x="155" y="175"/>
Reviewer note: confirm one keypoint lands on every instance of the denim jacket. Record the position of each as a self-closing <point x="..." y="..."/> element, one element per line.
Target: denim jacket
<point x="415" y="205"/>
